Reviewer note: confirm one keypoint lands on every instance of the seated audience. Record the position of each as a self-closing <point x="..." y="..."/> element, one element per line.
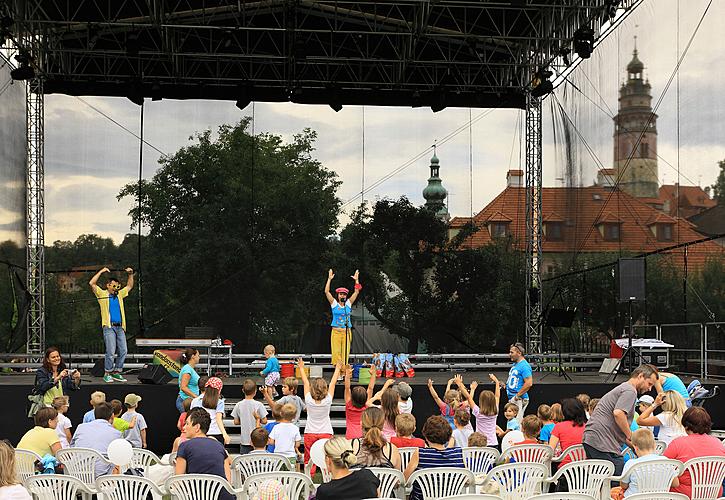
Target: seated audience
<point x="477" y="440"/>
<point x="404" y="429"/>
<point x="373" y="450"/>
<point x="437" y="433"/>
<point x="462" y="420"/>
<point x="584" y="399"/>
<point x="346" y="484"/>
<point x="259" y="438"/>
<point x="97" y="435"/>
<point x="97" y="398"/>
<point x="547" y="424"/>
<point x="556" y="412"/>
<point x="42" y="439"/>
<point x="11" y="488"/>
<point x="201" y="454"/>
<point x="697" y="443"/>
<point x="571" y="430"/>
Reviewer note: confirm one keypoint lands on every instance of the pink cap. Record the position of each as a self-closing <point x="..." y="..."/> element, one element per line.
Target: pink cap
<point x="342" y="289"/>
<point x="215" y="382"/>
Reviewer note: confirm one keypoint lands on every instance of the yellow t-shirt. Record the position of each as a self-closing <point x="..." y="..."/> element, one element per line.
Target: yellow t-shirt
<point x="39" y="440"/>
<point x="120" y="424"/>
<point x="103" y="302"/>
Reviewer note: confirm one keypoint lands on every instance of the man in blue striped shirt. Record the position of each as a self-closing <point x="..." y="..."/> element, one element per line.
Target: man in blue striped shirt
<point x="437" y="433"/>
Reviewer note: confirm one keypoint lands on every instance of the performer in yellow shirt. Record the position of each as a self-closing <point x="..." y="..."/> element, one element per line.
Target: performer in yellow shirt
<point x="113" y="322"/>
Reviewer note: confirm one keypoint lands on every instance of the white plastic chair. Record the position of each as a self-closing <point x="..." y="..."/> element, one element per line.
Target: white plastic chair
<point x="25" y="463"/>
<point x="660" y="446"/>
<point x="707" y="475"/>
<point x="199" y="487"/>
<point x="574" y="452"/>
<point x="480" y="460"/>
<point x="392" y="482"/>
<point x="518" y="480"/>
<point x="652" y="476"/>
<point x="81" y="463"/>
<point x="244" y="466"/>
<point x="56" y="487"/>
<point x="442" y="481"/>
<point x="658" y="496"/>
<point x="531" y="453"/>
<point x="405" y="455"/>
<point x="121" y="487"/>
<point x="472" y="496"/>
<point x="298" y="486"/>
<point x="326" y="475"/>
<point x="143" y="459"/>
<point x="584" y="476"/>
<point x="564" y="496"/>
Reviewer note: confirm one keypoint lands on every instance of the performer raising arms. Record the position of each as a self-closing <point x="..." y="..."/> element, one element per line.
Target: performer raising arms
<point x="341" y="335"/>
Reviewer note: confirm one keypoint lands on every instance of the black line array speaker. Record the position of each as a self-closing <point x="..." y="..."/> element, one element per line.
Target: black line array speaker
<point x="631" y="276"/>
<point x="154" y="374"/>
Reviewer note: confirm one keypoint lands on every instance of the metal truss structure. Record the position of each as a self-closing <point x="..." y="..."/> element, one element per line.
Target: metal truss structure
<point x="35" y="216"/>
<point x="533" y="175"/>
<point x="395" y="53"/>
<point x="437" y="53"/>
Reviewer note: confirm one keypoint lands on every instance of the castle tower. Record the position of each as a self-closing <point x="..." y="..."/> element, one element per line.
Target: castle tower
<point x="434" y="193"/>
<point x="635" y="119"/>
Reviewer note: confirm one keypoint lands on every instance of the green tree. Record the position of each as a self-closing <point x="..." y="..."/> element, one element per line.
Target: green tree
<point x="718" y="189"/>
<point x="237" y="226"/>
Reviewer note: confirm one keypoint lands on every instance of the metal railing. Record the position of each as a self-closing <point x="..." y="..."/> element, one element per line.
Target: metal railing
<point x="688" y="355"/>
<point x="714" y="343"/>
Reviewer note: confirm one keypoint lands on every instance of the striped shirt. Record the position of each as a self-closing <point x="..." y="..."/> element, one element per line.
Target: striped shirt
<point x="429" y="458"/>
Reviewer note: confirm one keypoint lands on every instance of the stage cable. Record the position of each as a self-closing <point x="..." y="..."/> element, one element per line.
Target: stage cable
<point x="362" y="205"/>
<point x="140" y="183"/>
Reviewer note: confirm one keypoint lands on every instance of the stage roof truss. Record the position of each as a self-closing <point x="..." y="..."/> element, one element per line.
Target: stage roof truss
<point x="397" y="53"/>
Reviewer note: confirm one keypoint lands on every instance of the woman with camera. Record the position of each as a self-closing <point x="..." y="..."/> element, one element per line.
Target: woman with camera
<point x="53" y="379"/>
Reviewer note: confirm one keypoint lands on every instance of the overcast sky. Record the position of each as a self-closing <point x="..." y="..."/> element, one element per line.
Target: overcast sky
<point x="89" y="158"/>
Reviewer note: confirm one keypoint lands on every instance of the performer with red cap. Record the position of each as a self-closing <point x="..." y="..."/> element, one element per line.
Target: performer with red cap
<point x="341" y="335"/>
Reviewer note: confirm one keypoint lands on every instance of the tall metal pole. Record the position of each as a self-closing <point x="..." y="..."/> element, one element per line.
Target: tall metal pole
<point x="533" y="224"/>
<point x="35" y="216"/>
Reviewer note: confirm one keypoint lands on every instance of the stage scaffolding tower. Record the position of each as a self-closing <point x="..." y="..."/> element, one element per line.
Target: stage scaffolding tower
<point x="533" y="224"/>
<point x="35" y="215"/>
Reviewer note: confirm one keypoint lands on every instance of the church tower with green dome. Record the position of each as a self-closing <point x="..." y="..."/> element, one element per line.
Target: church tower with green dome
<point x="635" y="134"/>
<point x="434" y="193"/>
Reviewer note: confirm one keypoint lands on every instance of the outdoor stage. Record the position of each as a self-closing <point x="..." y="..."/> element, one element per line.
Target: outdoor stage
<point x="158" y="401"/>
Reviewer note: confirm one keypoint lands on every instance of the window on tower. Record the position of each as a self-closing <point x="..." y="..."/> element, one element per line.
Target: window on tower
<point x="644" y="150"/>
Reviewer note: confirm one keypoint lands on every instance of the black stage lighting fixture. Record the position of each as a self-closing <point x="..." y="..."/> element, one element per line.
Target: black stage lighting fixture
<point x="335" y="101"/>
<point x="584" y="42"/>
<point x="243" y="103"/>
<point x="24" y="71"/>
<point x="135" y="94"/>
<point x="415" y="101"/>
<point x="564" y="53"/>
<point x="438" y="100"/>
<point x="156" y="92"/>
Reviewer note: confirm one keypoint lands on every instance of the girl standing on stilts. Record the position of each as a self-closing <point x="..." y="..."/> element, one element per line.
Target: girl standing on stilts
<point x="341" y="335"/>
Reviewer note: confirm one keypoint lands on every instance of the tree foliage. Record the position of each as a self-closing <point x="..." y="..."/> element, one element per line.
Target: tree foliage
<point x="237" y="225"/>
<point x="718" y="189"/>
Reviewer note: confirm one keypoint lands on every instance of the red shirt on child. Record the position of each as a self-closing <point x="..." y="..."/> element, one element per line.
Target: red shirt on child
<point x="569" y="435"/>
<point x="407" y="442"/>
<point x="353" y="414"/>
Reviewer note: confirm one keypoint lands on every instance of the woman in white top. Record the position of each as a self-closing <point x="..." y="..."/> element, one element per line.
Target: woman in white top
<point x="61" y="405"/>
<point x="670" y="420"/>
<point x="10" y="486"/>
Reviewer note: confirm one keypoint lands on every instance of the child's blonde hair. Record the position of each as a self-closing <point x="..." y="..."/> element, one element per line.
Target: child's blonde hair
<point x="339" y="450"/>
<point x="675" y="404"/>
<point x="8" y="475"/>
<point x="405" y="424"/>
<point x="592" y="405"/>
<point x="288" y="411"/>
<point x="487" y="404"/>
<point x="318" y="388"/>
<point x="556" y="414"/>
<point x="452" y="397"/>
<point x="643" y="439"/>
<point x="269" y="349"/>
<point x="291" y="383"/>
<point x="97" y="398"/>
<point x="544" y="412"/>
<point x="59" y="402"/>
<point x="477" y="440"/>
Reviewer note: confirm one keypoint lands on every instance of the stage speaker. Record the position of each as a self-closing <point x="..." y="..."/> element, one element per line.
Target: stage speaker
<point x="631" y="279"/>
<point x="98" y="369"/>
<point x="154" y="374"/>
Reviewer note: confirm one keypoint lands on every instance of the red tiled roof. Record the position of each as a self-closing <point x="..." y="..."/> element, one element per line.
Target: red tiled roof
<point x="459" y="221"/>
<point x="693" y="199"/>
<point x="582" y="209"/>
